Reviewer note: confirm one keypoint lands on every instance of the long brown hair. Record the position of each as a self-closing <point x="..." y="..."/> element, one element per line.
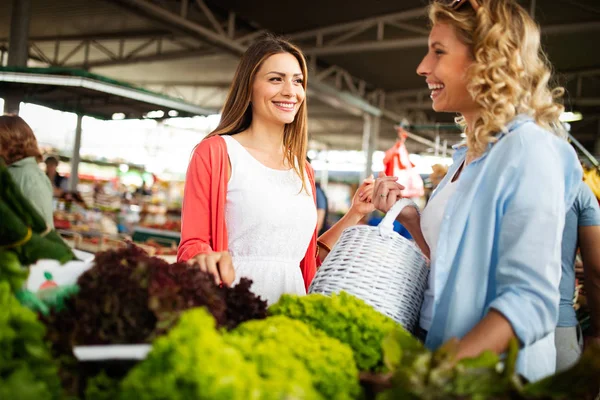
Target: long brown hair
<point x="236" y="115"/>
<point x="17" y="140"/>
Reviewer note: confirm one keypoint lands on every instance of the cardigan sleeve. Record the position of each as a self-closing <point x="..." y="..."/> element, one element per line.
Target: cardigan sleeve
<point x="309" y="263"/>
<point x="203" y="226"/>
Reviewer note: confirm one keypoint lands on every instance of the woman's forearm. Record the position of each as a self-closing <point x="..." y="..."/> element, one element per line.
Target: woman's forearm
<point x="494" y="332"/>
<point x="414" y="228"/>
<point x="589" y="237"/>
<point x="332" y="235"/>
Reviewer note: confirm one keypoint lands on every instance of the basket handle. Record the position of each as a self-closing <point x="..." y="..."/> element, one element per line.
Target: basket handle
<point x="386" y="226"/>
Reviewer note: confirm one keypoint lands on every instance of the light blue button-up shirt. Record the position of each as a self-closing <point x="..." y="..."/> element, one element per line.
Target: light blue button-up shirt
<point x="500" y="241"/>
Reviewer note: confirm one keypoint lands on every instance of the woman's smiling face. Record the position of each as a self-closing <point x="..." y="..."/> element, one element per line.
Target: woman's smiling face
<point x="445" y="68"/>
<point x="277" y="92"/>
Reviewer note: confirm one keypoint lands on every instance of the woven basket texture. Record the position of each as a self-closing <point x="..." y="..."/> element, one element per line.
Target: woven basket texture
<point x="377" y="265"/>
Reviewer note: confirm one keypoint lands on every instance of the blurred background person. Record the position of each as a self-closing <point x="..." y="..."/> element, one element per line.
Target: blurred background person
<point x="582" y="229"/>
<point x="59" y="182"/>
<point x="19" y="149"/>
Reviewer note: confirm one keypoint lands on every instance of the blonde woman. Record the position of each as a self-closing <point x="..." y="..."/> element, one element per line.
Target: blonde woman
<point x="249" y="204"/>
<point x="495" y="222"/>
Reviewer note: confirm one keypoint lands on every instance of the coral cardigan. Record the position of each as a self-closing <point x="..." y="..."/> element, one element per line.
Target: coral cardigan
<point x="203" y="227"/>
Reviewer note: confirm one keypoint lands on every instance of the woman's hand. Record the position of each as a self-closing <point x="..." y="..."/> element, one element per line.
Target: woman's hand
<point x="362" y="203"/>
<point x="218" y="264"/>
<point x="386" y="192"/>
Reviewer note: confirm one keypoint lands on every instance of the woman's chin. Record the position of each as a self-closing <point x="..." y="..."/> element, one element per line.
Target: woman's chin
<point x="438" y="107"/>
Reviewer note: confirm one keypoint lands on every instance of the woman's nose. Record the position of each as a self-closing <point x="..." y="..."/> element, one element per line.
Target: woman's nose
<point x="424" y="68"/>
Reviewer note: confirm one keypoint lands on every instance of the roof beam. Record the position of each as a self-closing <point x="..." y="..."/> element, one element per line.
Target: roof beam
<point x="199" y="84"/>
<point x="146" y="34"/>
<point x="375" y="45"/>
<point x="332" y="45"/>
<point x="325" y="92"/>
<point x="338" y="28"/>
<point x="571" y="28"/>
<point x="164" y="56"/>
<point x="207" y="35"/>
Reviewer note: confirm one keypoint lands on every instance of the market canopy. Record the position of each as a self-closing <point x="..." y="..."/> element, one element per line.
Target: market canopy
<point x="81" y="92"/>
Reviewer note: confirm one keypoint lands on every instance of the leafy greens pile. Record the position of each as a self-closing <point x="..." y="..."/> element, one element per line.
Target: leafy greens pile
<point x="27" y="370"/>
<point x="128" y="297"/>
<point x="345" y="318"/>
<point x="269" y="343"/>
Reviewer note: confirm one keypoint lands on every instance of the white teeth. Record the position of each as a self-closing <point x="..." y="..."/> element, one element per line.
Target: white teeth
<point x="285" y="105"/>
<point x="435" y="86"/>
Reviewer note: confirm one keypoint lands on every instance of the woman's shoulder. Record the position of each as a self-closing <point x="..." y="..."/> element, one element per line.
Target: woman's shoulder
<point x="529" y="140"/>
<point x="210" y="144"/>
<point x="212" y="149"/>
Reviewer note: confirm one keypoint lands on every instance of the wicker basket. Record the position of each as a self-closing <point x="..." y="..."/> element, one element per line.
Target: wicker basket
<point x="379" y="266"/>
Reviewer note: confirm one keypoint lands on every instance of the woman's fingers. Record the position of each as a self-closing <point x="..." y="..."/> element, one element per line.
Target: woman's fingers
<point x="365" y="191"/>
<point x="211" y="267"/>
<point x="226" y="270"/>
<point x="218" y="264"/>
<point x="386" y="193"/>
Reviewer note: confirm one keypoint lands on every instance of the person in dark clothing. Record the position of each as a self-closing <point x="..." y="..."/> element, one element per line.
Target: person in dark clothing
<point x="322" y="210"/>
<point x="59" y="182"/>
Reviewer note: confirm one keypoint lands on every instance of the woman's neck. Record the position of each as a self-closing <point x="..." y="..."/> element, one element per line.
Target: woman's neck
<point x="470" y="118"/>
<point x="266" y="135"/>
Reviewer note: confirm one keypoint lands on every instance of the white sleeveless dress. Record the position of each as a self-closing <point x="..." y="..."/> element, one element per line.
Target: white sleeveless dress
<point x="270" y="223"/>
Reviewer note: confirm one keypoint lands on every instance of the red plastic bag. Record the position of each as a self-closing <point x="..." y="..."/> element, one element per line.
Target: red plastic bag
<point x="397" y="163"/>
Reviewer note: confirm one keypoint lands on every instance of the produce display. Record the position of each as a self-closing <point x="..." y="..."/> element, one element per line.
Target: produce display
<point x="420" y="374"/>
<point x="27" y="371"/>
<point x="162" y="250"/>
<point x="23" y="231"/>
<point x="330" y="363"/>
<point x="216" y="342"/>
<point x="343" y="317"/>
<point x="128" y="297"/>
<point x="592" y="178"/>
<point x="11" y="270"/>
<point x="193" y="362"/>
<point x="174" y="226"/>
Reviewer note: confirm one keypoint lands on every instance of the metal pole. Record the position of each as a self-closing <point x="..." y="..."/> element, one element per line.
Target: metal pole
<point x="74" y="180"/>
<point x="373" y="143"/>
<point x="18" y="47"/>
<point x="366" y="144"/>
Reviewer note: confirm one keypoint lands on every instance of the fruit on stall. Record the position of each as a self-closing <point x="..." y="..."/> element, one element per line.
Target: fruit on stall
<point x="174" y="226"/>
<point x="162" y="250"/>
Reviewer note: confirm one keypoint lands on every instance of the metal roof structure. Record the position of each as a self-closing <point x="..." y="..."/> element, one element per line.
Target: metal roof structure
<point x="84" y="93"/>
<point x="362" y="56"/>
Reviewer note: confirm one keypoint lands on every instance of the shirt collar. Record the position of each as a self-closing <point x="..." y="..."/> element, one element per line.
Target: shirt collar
<point x="25" y="161"/>
<point x="520" y="119"/>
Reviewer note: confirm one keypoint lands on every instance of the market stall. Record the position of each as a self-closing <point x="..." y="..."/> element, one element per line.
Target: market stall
<point x="127" y="325"/>
<point x="93" y="212"/>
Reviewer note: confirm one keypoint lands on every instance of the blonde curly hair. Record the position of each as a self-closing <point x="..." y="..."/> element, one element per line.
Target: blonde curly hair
<point x="510" y="73"/>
